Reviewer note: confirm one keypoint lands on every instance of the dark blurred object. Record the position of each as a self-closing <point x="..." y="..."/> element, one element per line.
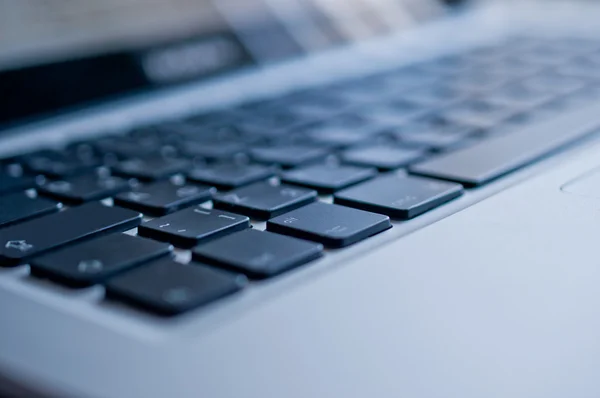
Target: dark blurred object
<point x="59" y="55"/>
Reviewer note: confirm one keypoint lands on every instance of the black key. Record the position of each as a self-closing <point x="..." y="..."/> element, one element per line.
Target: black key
<point x="213" y="150"/>
<point x="154" y="168"/>
<point x="352" y="123"/>
<point x="331" y="225"/>
<point x="170" y="288"/>
<point x="60" y="165"/>
<point x="288" y="156"/>
<point x="328" y="178"/>
<point x="189" y="227"/>
<point x="520" y="96"/>
<point x="554" y="83"/>
<point x="399" y="197"/>
<point x="163" y="197"/>
<point x="336" y="137"/>
<point x="490" y="159"/>
<point x="19" y="207"/>
<point x="11" y="183"/>
<point x="433" y="124"/>
<point x="20" y="242"/>
<point x="478" y="82"/>
<point x="482" y="113"/>
<point x="383" y="157"/>
<point x="85" y="188"/>
<point x="230" y="175"/>
<point x="126" y="147"/>
<point x="272" y="122"/>
<point x="94" y="261"/>
<point x="263" y="200"/>
<point x="396" y="113"/>
<point x="316" y="105"/>
<point x="258" y="254"/>
<point x="435" y="141"/>
<point x="433" y="96"/>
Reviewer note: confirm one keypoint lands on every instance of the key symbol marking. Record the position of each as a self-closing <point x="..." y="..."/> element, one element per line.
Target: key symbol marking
<point x="20" y="245"/>
<point x="138" y="196"/>
<point x="289" y="192"/>
<point x="202" y="212"/>
<point x="235" y="198"/>
<point x="404" y="200"/>
<point x="134" y="164"/>
<point x="177" y="295"/>
<point x="338" y="229"/>
<point x="186" y="191"/>
<point x="290" y="220"/>
<point x="164" y="225"/>
<point x="59" y="186"/>
<point x="108" y="183"/>
<point x="90" y="266"/>
<point x="262" y="260"/>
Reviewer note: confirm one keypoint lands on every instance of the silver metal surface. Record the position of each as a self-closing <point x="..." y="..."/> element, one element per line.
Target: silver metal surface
<point x="498" y="300"/>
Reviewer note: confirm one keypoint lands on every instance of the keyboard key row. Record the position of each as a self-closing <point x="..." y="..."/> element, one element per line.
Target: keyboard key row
<point x="95" y="261"/>
<point x="433" y="119"/>
<point x="20" y="242"/>
<point x="189" y="227"/>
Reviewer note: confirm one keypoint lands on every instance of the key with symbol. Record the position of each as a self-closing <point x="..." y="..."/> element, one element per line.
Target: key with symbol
<point x="150" y="169"/>
<point x="288" y="156"/>
<point x="399" y="197"/>
<point x="187" y="228"/>
<point x="170" y="288"/>
<point x="20" y="242"/>
<point x="332" y="225"/>
<point x="327" y="178"/>
<point x="84" y="188"/>
<point x="94" y="261"/>
<point x="258" y="254"/>
<point x="19" y="207"/>
<point x="164" y="197"/>
<point x="263" y="200"/>
<point x="230" y="175"/>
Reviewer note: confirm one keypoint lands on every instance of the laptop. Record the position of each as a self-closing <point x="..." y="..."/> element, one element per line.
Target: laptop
<point x="299" y="199"/>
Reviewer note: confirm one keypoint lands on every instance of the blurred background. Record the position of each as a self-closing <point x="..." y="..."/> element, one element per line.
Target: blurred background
<point x="57" y="53"/>
<point x="44" y="30"/>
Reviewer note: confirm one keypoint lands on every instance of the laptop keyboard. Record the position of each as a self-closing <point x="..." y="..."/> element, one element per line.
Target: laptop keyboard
<point x="326" y="168"/>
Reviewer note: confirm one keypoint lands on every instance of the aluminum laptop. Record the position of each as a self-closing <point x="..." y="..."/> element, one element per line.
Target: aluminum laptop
<point x="362" y="214"/>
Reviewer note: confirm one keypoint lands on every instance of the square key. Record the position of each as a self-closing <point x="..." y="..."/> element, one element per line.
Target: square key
<point x="288" y="156"/>
<point x="96" y="260"/>
<point x="331" y="225"/>
<point x="84" y="188"/>
<point x="258" y="254"/>
<point x="327" y="178"/>
<point x="263" y="200"/>
<point x="187" y="228"/>
<point x="150" y="169"/>
<point x="401" y="197"/>
<point x="170" y="288"/>
<point x="164" y="197"/>
<point x="18" y="207"/>
<point x="230" y="175"/>
<point x="382" y="157"/>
